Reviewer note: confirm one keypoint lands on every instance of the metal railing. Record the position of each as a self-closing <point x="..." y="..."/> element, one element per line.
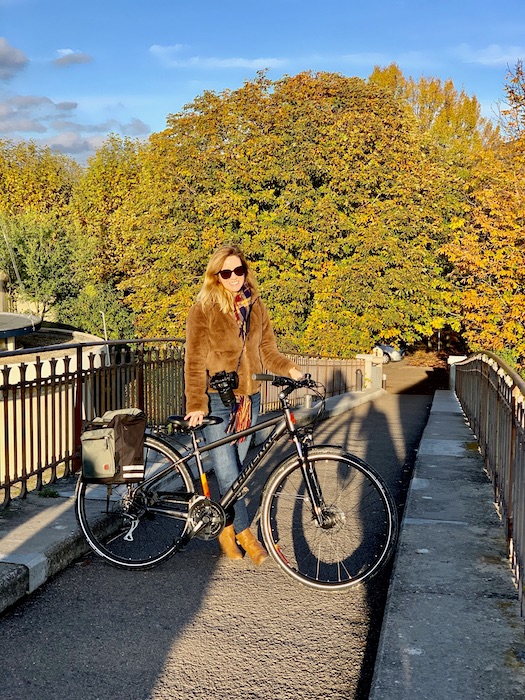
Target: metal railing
<point x="492" y="396"/>
<point x="48" y="394"/>
<point x="337" y="376"/>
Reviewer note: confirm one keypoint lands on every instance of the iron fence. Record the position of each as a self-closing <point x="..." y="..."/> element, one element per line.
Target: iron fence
<point x="47" y="395"/>
<point x="337" y="377"/>
<point x="492" y="396"/>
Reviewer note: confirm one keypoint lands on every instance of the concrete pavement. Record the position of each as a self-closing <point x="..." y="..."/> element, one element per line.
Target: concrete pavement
<point x="452" y="625"/>
<point x="451" y="628"/>
<point x="39" y="535"/>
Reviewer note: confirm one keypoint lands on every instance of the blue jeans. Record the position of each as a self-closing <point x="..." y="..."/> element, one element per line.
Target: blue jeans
<point x="227" y="460"/>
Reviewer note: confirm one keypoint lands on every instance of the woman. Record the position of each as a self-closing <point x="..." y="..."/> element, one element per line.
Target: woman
<point x="228" y="330"/>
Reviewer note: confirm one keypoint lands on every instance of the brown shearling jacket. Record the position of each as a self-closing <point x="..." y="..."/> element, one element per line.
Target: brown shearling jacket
<point x="213" y="344"/>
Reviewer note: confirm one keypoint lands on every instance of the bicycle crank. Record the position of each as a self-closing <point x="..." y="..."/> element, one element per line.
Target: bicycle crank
<point x="206" y="518"/>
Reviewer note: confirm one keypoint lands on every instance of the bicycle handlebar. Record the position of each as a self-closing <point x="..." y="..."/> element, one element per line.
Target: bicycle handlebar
<point x="277" y="380"/>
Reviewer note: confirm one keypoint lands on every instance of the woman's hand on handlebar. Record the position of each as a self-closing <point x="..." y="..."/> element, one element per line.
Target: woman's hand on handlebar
<point x="194" y="418"/>
<point x="295" y="373"/>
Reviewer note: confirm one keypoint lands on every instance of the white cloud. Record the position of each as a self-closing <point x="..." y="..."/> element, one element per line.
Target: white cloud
<point x="13" y="124"/>
<point x="170" y="57"/>
<point x="66" y="106"/>
<point x="12" y="60"/>
<point x="166" y="52"/>
<point x="24" y="113"/>
<point x="74" y="144"/>
<point x="136" y="127"/>
<point x="36" y="116"/>
<point x="68" y="57"/>
<point x="492" y="55"/>
<point x="31" y="110"/>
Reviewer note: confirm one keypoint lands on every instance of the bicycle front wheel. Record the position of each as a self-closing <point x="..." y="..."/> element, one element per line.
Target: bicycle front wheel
<point x="360" y="525"/>
<point x="128" y="528"/>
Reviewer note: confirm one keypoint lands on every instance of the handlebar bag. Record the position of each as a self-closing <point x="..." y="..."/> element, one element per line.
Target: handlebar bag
<point x="112" y="447"/>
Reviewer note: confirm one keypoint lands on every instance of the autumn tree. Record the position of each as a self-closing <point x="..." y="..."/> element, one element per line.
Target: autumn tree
<point x="104" y="185"/>
<point x="487" y="246"/>
<point x="337" y="197"/>
<point x="35" y="179"/>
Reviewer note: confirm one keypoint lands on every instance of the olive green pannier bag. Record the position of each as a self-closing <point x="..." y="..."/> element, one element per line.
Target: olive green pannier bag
<point x="113" y="447"/>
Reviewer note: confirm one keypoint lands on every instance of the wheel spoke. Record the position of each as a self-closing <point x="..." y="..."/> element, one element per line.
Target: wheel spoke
<point x="360" y="526"/>
<point x="120" y="524"/>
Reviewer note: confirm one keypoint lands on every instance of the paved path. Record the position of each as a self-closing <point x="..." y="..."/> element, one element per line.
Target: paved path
<point x="202" y="628"/>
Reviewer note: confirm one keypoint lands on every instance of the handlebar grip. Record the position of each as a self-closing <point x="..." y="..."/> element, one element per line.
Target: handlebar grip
<point x="265" y="377"/>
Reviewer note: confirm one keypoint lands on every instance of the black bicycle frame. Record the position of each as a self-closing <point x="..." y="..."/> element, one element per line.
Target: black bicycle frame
<point x="282" y="424"/>
<point x="285" y="424"/>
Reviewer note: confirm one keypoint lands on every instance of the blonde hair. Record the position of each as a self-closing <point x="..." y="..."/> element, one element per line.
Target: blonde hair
<point x="212" y="290"/>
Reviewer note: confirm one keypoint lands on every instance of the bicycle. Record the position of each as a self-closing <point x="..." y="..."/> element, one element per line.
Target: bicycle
<point x="327" y="518"/>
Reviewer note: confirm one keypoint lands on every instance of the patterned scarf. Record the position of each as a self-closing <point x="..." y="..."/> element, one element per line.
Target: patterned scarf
<point x="240" y="416"/>
<point x="241" y="308"/>
<point x="241" y="413"/>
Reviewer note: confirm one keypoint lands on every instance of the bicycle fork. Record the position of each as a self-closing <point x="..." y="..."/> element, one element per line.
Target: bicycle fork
<point x="313" y="488"/>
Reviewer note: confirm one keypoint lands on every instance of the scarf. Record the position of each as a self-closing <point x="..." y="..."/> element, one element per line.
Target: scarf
<point x="241" y="413"/>
<point x="240" y="416"/>
<point x="241" y="309"/>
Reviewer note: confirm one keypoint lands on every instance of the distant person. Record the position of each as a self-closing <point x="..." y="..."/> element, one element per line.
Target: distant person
<point x="228" y="335"/>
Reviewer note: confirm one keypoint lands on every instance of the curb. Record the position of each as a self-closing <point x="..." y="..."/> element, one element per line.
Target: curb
<point x="14" y="584"/>
<point x="22" y="574"/>
<point x="38" y="541"/>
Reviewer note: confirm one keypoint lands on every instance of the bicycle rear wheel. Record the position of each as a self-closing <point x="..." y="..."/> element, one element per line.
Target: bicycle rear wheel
<point x="360" y="530"/>
<point x="107" y="513"/>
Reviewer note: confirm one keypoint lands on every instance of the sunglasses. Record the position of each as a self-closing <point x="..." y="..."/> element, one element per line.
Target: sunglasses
<point x="239" y="271"/>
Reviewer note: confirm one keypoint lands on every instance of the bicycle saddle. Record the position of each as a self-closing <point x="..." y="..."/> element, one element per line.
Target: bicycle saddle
<point x="181" y="424"/>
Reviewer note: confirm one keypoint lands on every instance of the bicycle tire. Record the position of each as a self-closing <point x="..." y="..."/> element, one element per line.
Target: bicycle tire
<point x="364" y="529"/>
<point x="103" y="520"/>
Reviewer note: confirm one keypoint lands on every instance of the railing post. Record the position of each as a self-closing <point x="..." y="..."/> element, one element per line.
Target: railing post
<point x="510" y="507"/>
<point x="77" y="421"/>
<point x="140" y="380"/>
<point x="7" y="476"/>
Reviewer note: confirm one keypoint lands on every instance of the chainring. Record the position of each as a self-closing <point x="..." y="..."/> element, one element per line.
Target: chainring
<point x="207" y="518"/>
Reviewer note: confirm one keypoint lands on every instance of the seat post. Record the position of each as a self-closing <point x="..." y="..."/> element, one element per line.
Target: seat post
<point x="202" y="474"/>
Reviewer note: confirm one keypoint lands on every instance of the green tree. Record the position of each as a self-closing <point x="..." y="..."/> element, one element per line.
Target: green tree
<point x="97" y="309"/>
<point x="336" y="195"/>
<point x="36" y="252"/>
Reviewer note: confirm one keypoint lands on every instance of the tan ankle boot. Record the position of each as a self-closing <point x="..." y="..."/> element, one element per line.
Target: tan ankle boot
<point x="252" y="546"/>
<point x="228" y="544"/>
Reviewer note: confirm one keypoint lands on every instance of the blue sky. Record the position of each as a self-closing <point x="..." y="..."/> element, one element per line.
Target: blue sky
<point x="72" y="72"/>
